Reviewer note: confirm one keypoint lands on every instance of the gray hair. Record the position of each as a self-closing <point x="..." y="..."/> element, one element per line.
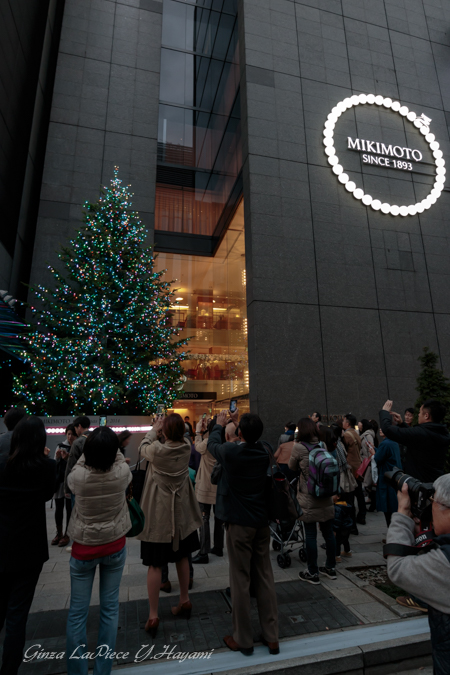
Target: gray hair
<point x="442" y="487"/>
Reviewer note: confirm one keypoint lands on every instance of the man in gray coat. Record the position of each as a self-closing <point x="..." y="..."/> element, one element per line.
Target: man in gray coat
<point x="427" y="576"/>
<point x="10" y="420"/>
<point x="81" y="425"/>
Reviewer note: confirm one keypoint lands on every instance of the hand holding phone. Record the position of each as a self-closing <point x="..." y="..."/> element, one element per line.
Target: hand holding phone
<point x="233" y="405"/>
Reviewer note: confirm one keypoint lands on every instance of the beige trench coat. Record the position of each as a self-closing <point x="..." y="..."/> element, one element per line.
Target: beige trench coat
<point x="168" y="500"/>
<point x="315" y="509"/>
<point x="205" y="491"/>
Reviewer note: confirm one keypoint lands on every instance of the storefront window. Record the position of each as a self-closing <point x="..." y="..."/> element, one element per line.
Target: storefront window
<point x="212" y="311"/>
<point x="199" y="150"/>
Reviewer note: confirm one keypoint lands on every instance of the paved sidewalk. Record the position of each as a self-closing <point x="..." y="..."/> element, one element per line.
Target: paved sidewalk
<point x="53" y="590"/>
<point x="303" y="609"/>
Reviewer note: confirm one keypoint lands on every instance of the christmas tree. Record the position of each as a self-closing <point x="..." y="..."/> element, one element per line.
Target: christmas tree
<point x="432" y="383"/>
<point x="102" y="341"/>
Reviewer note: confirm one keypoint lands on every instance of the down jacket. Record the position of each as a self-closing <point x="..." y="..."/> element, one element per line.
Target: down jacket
<point x="168" y="500"/>
<point x="205" y="491"/>
<point x="100" y="514"/>
<point x="315" y="509"/>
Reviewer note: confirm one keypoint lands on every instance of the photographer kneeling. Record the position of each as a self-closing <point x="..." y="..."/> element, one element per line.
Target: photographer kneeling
<point x="426" y="575"/>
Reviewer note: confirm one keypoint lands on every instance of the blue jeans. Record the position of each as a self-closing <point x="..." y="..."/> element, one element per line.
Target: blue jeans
<point x="311" y="545"/>
<point x="82" y="573"/>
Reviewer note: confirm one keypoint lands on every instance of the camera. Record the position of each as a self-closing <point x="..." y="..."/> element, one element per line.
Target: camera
<point x="419" y="493"/>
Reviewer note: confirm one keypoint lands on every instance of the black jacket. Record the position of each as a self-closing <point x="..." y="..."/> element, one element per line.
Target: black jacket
<point x="5" y="444"/>
<point x="23" y="527"/>
<point x="426" y="447"/>
<point x="242" y="488"/>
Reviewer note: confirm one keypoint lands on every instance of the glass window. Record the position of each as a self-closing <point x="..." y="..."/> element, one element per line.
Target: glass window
<point x="211" y="309"/>
<point x="199" y="156"/>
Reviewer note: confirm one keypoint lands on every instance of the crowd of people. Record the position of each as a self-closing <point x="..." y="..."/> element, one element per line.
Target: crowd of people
<point x="224" y="467"/>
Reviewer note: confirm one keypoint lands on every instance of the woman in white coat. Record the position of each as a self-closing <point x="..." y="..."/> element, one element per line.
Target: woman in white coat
<point x="98" y="525"/>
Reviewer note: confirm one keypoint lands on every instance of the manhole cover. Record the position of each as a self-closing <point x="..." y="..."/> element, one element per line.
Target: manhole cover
<point x="298" y="618"/>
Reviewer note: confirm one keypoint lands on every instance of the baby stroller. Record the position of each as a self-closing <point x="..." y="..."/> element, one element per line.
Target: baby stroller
<point x="288" y="536"/>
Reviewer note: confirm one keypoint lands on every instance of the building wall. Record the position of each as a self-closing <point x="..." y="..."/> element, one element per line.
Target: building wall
<point x="341" y="299"/>
<point x="29" y="33"/>
<point x="104" y="113"/>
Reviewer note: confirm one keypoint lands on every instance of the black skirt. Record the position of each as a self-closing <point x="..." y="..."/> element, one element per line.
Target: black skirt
<point x="156" y="555"/>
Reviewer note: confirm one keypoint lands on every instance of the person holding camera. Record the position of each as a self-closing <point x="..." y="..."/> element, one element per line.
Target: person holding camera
<point x="172" y="513"/>
<point x="427" y="576"/>
<point x="426" y="444"/>
<point x="205" y="491"/>
<point x="242" y="504"/>
<point x="98" y="526"/>
<point x="61" y="501"/>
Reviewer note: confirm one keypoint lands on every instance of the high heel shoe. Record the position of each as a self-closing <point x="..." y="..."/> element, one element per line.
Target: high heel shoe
<point x="152" y="626"/>
<point x="183" y="609"/>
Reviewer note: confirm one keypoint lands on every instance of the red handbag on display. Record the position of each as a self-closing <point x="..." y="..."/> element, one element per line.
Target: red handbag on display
<point x="363" y="468"/>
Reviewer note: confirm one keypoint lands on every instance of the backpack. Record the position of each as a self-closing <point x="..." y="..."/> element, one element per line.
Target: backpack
<point x="323" y="479"/>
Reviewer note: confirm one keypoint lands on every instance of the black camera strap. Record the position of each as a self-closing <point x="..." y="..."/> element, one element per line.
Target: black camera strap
<point x="403" y="550"/>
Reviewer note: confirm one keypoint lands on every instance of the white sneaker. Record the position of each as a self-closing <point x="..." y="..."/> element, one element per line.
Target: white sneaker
<point x="69" y="548"/>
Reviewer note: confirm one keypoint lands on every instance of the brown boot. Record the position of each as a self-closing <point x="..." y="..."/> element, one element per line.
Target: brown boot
<point x="56" y="539"/>
<point x="233" y="645"/>
<point x="64" y="541"/>
<point x="152" y="626"/>
<point x="183" y="609"/>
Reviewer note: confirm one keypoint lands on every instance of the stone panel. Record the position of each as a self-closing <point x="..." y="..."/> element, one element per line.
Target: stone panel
<point x="104" y="114"/>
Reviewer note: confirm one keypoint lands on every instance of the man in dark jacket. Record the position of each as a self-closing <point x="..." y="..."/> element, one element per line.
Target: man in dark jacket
<point x="10" y="420"/>
<point x="241" y="503"/>
<point x="426" y="444"/>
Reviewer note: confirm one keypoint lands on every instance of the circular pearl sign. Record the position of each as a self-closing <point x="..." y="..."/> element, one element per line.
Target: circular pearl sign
<point x="358" y="193"/>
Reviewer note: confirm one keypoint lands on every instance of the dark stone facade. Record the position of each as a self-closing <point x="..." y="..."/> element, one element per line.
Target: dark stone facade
<point x="341" y="298"/>
<point x="29" y="35"/>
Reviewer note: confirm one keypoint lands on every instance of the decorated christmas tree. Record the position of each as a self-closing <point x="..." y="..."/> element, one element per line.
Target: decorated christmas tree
<point x="101" y="340"/>
<point x="432" y="383"/>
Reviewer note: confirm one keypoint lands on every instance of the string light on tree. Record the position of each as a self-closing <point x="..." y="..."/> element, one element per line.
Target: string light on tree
<point x="103" y="340"/>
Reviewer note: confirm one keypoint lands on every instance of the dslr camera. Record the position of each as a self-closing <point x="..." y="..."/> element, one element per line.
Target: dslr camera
<point x="419" y="493"/>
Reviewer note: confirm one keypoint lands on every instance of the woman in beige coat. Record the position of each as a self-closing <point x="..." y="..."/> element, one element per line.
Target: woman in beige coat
<point x="172" y="514"/>
<point x="98" y="525"/>
<point x="315" y="509"/>
<point x="205" y="492"/>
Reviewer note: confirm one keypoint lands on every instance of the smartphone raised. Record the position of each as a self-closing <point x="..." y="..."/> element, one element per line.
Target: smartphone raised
<point x="204" y="416"/>
<point x="102" y="421"/>
<point x="233" y="405"/>
<point x="160" y="409"/>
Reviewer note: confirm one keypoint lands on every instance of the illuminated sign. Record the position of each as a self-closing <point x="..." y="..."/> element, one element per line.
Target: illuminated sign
<point x="380" y="154"/>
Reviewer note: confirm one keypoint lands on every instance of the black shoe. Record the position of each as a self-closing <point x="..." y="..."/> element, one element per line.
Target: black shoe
<point x="310" y="578"/>
<point x="330" y="573"/>
<point x="354" y="531"/>
<point x="200" y="559"/>
<point x="217" y="551"/>
<point x="361" y="520"/>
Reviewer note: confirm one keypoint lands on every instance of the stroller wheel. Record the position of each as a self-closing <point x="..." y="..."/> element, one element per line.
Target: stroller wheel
<point x="280" y="561"/>
<point x="276" y="546"/>
<point x="302" y="554"/>
<point x="284" y="561"/>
